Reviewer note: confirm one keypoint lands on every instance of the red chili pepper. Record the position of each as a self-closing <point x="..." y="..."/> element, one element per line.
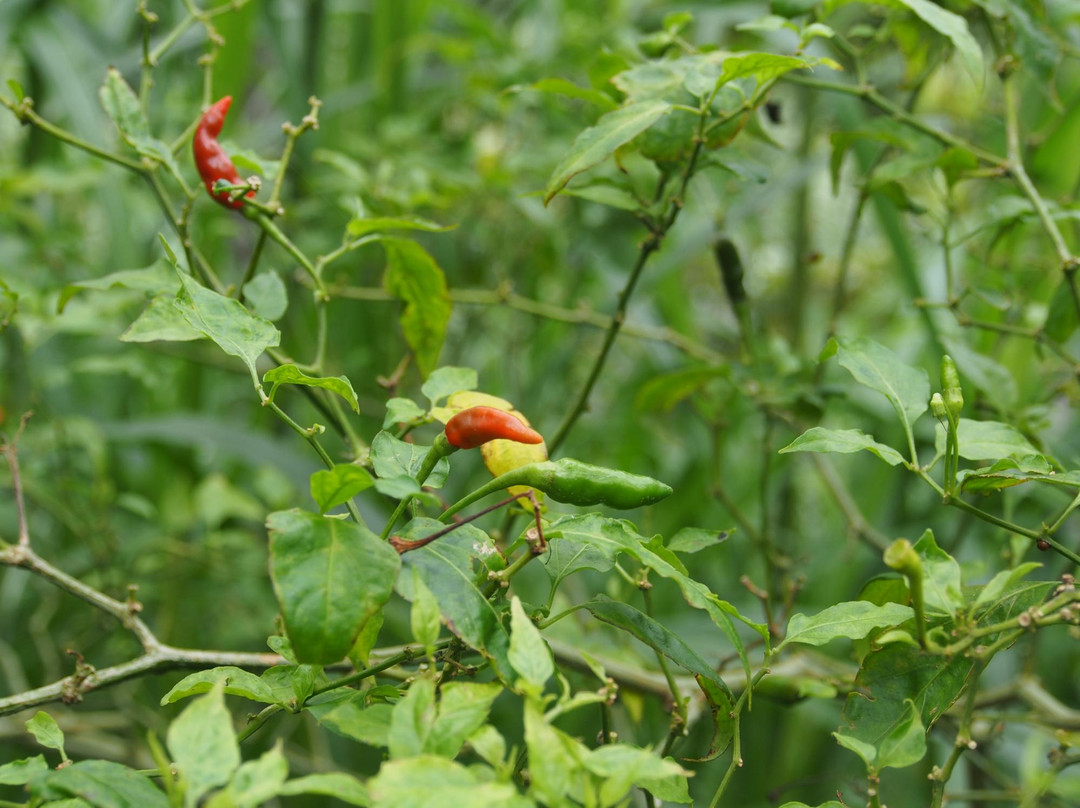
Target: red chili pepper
<point x="477" y="425"/>
<point x="210" y="159"/>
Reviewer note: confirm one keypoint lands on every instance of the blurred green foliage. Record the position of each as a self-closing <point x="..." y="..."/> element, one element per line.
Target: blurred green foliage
<point x="152" y="465"/>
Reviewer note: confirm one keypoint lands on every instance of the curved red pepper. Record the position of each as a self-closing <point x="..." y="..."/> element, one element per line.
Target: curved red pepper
<point x="477" y="425"/>
<point x="210" y="159"/>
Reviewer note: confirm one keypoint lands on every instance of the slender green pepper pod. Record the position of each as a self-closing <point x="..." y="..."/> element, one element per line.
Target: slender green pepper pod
<point x="574" y="483"/>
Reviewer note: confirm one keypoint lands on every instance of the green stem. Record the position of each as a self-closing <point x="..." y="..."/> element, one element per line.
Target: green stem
<point x="310" y="436"/>
<point x="963" y="738"/>
<point x="439" y="449"/>
<point x="898" y="113"/>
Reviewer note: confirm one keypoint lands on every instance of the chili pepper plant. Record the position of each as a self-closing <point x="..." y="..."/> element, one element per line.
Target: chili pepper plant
<point x="569" y="404"/>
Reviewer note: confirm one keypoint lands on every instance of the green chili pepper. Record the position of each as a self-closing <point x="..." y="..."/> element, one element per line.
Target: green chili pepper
<point x="574" y="483"/>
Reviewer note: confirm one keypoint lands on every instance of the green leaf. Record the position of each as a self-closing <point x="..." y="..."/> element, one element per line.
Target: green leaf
<point x="363" y="226"/>
<point x="1061" y="317"/>
<point x="991" y="440"/>
<point x="721" y="704"/>
<point x="340" y="786"/>
<point x="842" y="441"/>
<point x="401" y="487"/>
<point x="346" y="712"/>
<point x="424" y="617"/>
<point x="47" y="733"/>
<point x="695" y="539"/>
<point x="446" y="567"/>
<point x="906" y="744"/>
<point x="203" y="745"/>
<point x="891" y="677"/>
<point x="338" y="485"/>
<point x="529" y="654"/>
<point x="255" y="782"/>
<point x="590" y="540"/>
<point x="622" y="766"/>
<point x="876" y="367"/>
<point x="98" y="783"/>
<point x="446" y="381"/>
<point x="267" y="296"/>
<point x="941" y="576"/>
<point x="155" y="279"/>
<point x="463" y="709"/>
<point x="392" y="457"/>
<point x="17" y="90"/>
<point x="554" y="757"/>
<point x="330" y="577"/>
<point x="762" y="67"/>
<point x="996" y="586"/>
<point x="21" y="772"/>
<point x="413" y="277"/>
<point x="557" y="86"/>
<point x="238" y="682"/>
<point x="868" y="752"/>
<point x="123" y="107"/>
<point x="291" y="374"/>
<point x="161" y="321"/>
<point x="236" y="330"/>
<point x="638" y="624"/>
<point x="955" y="28"/>
<point x="830" y="803"/>
<point x="402" y="411"/>
<point x="427" y="781"/>
<point x="598" y="142"/>
<point x="853" y="619"/>
<point x="604" y="192"/>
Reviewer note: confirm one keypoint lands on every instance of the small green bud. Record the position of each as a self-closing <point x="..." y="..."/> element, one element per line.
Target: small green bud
<point x="901" y="556"/>
<point x="937" y="407"/>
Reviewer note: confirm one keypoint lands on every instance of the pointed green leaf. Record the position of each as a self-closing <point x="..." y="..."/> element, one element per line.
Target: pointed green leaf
<point x="955" y="29"/>
<point x="267" y="295"/>
<point x="424" y="617"/>
<point x="346" y="713"/>
<point x="463" y="709"/>
<point x="598" y="142"/>
<point x="413" y="277"/>
<point x="255" y="782"/>
<point x="427" y="781"/>
<point x="842" y="441"/>
<point x="161" y="321"/>
<point x="875" y="366"/>
<point x="338" y="485"/>
<point x="941" y="576"/>
<point x="446" y="381"/>
<point x="853" y="619"/>
<point x="529" y="653"/>
<point x="892" y="676"/>
<point x="340" y="786"/>
<point x="21" y="772"/>
<point x="98" y="783"/>
<point x="330" y="577"/>
<point x="590" y="540"/>
<point x="203" y="745"/>
<point x="46" y="731"/>
<point x="236" y="330"/>
<point x="906" y="744"/>
<point x="447" y="568"/>
<point x="238" y="682"/>
<point x="362" y="226"/>
<point x="123" y="107"/>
